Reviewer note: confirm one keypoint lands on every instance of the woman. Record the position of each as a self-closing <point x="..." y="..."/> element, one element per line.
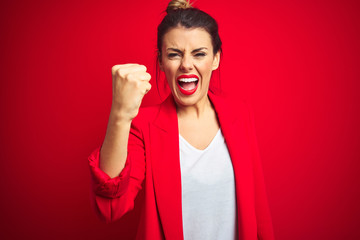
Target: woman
<point x="197" y="156"/>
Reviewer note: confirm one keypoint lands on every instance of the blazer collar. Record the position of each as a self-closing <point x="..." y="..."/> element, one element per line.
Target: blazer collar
<point x="167" y="116"/>
<point x="224" y="109"/>
<point x="167" y="112"/>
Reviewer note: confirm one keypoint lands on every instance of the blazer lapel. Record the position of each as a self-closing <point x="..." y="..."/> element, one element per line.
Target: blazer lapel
<point x="164" y="140"/>
<point x="233" y="126"/>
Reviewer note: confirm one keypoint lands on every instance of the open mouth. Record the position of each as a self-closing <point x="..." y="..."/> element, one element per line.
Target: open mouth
<point x="187" y="84"/>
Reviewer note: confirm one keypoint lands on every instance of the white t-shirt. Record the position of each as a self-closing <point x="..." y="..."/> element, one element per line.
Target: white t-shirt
<point x="208" y="191"/>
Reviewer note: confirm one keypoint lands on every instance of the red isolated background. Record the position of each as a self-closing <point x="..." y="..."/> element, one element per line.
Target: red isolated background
<point x="296" y="62"/>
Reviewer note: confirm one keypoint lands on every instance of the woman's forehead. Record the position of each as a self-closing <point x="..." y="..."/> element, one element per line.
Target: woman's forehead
<point x="185" y="38"/>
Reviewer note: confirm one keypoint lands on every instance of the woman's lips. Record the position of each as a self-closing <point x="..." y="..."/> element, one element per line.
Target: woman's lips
<point x="187" y="84"/>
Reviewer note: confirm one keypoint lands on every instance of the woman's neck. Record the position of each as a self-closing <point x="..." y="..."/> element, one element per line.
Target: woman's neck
<point x="196" y="111"/>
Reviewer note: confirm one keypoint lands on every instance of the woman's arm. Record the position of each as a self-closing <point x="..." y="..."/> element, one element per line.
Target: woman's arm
<point x="113" y="152"/>
<point x="130" y="84"/>
<point x="118" y="167"/>
<point x="113" y="197"/>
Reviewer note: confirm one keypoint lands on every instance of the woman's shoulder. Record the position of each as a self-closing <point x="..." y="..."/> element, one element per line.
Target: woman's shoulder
<point x="149" y="113"/>
<point x="231" y="103"/>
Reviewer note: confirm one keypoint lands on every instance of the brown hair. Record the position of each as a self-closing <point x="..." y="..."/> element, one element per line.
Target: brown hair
<point x="181" y="13"/>
<point x="178" y="4"/>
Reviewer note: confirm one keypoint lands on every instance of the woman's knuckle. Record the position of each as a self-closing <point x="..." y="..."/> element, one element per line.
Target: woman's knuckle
<point x="144" y="68"/>
<point x="115" y="69"/>
<point x="130" y="77"/>
<point x="138" y="84"/>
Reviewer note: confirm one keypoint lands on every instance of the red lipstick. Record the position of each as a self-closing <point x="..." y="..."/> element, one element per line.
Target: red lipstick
<point x="187" y="84"/>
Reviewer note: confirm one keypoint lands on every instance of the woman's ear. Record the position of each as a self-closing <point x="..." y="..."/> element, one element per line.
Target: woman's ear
<point x="216" y="61"/>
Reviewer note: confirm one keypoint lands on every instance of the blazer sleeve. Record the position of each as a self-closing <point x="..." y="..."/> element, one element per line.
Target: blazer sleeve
<point x="262" y="211"/>
<point x="113" y="197"/>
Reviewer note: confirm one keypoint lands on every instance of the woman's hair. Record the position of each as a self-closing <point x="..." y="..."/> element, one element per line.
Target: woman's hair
<point x="181" y="13"/>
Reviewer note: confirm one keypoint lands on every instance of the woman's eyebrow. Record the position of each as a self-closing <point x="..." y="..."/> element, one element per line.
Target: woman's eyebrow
<point x="198" y="49"/>
<point x="193" y="51"/>
<point x="174" y="49"/>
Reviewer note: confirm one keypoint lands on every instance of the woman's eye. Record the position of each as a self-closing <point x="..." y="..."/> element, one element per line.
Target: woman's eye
<point x="172" y="55"/>
<point x="200" y="54"/>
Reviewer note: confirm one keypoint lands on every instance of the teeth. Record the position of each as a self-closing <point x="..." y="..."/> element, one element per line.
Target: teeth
<point x="188" y="79"/>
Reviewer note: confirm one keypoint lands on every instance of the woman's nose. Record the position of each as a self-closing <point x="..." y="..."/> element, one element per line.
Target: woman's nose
<point x="186" y="64"/>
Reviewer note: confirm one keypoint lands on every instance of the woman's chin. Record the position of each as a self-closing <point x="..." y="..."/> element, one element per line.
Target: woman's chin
<point x="188" y="100"/>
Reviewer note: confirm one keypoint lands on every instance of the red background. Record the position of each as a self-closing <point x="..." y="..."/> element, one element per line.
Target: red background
<point x="296" y="62"/>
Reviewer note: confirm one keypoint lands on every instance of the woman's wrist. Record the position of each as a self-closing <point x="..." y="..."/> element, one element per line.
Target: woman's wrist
<point x="119" y="119"/>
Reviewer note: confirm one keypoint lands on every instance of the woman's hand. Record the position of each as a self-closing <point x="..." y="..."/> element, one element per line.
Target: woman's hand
<point x="130" y="82"/>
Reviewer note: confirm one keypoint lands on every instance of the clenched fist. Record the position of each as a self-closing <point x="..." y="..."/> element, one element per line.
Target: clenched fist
<point x="130" y="82"/>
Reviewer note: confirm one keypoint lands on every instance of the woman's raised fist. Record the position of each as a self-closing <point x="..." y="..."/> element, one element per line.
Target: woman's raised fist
<point x="130" y="82"/>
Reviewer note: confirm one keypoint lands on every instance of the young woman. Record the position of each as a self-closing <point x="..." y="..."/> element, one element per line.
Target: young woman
<point x="196" y="151"/>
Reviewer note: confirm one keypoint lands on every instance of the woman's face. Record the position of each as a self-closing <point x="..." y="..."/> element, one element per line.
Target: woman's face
<point x="188" y="60"/>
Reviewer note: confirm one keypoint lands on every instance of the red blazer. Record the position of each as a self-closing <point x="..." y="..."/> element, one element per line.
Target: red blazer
<point x="153" y="156"/>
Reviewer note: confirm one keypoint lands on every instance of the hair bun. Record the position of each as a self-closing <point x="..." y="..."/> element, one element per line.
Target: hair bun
<point x="178" y="4"/>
